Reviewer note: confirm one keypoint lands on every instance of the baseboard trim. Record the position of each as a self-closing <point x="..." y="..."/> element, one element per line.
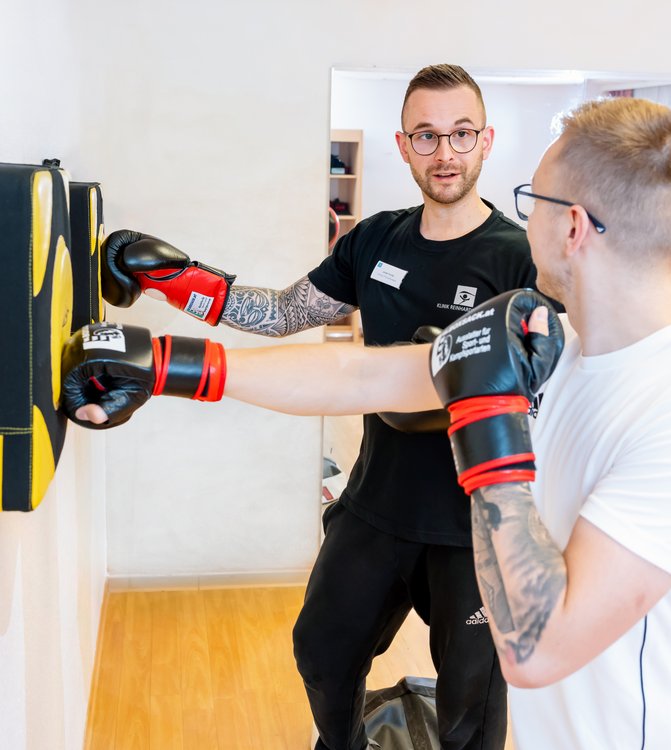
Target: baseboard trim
<point x="207" y="580"/>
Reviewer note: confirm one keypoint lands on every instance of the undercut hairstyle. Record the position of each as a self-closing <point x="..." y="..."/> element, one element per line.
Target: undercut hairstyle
<point x="443" y="76"/>
<point x="615" y="160"/>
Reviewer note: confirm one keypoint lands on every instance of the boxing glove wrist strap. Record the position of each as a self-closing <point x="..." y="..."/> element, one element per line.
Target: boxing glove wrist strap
<point x="198" y="290"/>
<point x="187" y="367"/>
<point x="490" y="441"/>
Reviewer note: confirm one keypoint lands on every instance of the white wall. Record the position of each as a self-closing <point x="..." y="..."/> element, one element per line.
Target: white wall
<point x="209" y="126"/>
<point x="52" y="564"/>
<point x="207" y="122"/>
<point x="52" y="561"/>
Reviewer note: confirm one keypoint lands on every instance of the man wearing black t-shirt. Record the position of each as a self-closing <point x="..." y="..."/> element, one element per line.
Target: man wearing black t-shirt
<point x="399" y="537"/>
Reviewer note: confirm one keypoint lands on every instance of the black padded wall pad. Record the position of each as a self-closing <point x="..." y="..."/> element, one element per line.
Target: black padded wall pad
<point x="36" y="315"/>
<point x="86" y="227"/>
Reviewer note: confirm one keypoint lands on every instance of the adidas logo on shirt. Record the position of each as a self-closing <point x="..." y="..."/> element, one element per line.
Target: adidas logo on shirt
<point x="479" y="618"/>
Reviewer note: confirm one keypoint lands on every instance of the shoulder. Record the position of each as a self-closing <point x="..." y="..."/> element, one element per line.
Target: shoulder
<point x="503" y="230"/>
<point x="385" y="219"/>
<point x="512" y="231"/>
<point x="388" y="227"/>
<point x="512" y="228"/>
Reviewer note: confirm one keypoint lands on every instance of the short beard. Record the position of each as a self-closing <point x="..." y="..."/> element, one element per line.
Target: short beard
<point x="451" y="194"/>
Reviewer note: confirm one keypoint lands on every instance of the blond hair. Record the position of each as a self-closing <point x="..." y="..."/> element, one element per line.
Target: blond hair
<point x="615" y="159"/>
<point x="442" y="76"/>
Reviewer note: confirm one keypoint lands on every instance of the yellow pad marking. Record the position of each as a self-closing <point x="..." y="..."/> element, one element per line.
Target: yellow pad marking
<point x="61" y="314"/>
<point x="101" y="303"/>
<point x="93" y="219"/>
<point x="42" y="459"/>
<point x="43" y="203"/>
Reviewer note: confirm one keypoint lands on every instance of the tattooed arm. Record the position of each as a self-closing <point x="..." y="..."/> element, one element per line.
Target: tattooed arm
<point x="521" y="587"/>
<point x="550" y="611"/>
<point x="271" y="312"/>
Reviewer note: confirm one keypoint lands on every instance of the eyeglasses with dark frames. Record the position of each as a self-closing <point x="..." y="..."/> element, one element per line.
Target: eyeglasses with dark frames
<point x="425" y="143"/>
<point x="522" y="196"/>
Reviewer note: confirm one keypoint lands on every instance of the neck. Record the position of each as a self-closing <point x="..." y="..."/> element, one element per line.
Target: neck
<point x="448" y="221"/>
<point x="620" y="309"/>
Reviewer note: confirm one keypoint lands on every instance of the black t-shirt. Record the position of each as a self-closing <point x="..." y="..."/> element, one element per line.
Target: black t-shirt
<point x="405" y="484"/>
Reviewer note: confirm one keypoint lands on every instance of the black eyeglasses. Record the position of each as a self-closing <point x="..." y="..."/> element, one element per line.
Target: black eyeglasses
<point x="524" y="205"/>
<point x="425" y="143"/>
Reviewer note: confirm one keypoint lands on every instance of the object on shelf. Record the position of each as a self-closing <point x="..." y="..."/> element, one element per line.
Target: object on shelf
<point x="340" y="207"/>
<point x="338" y="166"/>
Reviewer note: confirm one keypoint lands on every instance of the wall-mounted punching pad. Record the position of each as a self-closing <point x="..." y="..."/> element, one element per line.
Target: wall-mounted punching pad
<point x="86" y="227"/>
<point x="35" y="322"/>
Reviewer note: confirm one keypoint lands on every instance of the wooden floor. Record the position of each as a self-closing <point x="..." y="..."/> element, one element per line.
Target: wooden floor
<point x="213" y="670"/>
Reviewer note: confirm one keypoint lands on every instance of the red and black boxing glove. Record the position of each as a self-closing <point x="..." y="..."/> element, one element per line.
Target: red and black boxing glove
<point x="133" y="263"/>
<point x="121" y="367"/>
<point x="486" y="367"/>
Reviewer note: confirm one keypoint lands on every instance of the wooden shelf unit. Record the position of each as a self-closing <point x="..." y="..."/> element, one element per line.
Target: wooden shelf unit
<point x="348" y="146"/>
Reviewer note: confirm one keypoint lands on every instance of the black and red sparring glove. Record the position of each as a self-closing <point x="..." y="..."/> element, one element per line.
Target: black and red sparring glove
<point x="121" y="367"/>
<point x="133" y="263"/>
<point x="486" y="367"/>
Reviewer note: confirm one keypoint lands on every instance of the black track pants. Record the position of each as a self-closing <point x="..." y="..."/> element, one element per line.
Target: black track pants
<point x="361" y="589"/>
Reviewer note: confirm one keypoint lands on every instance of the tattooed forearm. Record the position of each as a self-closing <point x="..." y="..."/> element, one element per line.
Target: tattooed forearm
<point x="489" y="575"/>
<point x="271" y="312"/>
<point x="521" y="571"/>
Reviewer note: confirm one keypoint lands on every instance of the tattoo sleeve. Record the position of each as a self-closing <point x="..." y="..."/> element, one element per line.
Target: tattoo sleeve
<point x="271" y="312"/>
<point x="521" y="571"/>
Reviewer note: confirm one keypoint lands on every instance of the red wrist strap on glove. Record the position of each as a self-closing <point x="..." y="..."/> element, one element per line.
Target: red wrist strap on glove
<point x="501" y="468"/>
<point x="215" y="379"/>
<point x="211" y="378"/>
<point x="197" y="289"/>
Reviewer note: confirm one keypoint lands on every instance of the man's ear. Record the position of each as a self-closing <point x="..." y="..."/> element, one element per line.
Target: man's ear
<point x="578" y="229"/>
<point x="487" y="139"/>
<point x="402" y="143"/>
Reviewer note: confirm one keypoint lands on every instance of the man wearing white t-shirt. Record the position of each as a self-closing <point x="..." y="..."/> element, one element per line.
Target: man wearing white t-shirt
<point x="597" y="673"/>
<point x="574" y="567"/>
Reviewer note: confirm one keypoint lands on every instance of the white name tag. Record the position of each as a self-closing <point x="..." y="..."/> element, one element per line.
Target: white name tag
<point x="388" y="274"/>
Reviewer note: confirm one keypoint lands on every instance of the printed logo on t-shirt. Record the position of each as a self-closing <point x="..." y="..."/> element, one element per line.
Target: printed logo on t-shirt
<point x="478" y="618"/>
<point x="465" y="296"/>
<point x="464" y="299"/>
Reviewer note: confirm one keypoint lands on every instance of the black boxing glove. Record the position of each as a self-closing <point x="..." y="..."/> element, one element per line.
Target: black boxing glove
<point x="486" y="367"/>
<point x="432" y="420"/>
<point x="121" y="367"/>
<point x="133" y="263"/>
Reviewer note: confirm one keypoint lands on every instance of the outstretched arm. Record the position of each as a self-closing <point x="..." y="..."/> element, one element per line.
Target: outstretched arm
<point x="332" y="379"/>
<point x="317" y="379"/>
<point x="271" y="312"/>
<point x="133" y="262"/>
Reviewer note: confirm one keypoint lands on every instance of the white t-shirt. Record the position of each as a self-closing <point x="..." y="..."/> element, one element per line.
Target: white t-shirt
<point x="603" y="449"/>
